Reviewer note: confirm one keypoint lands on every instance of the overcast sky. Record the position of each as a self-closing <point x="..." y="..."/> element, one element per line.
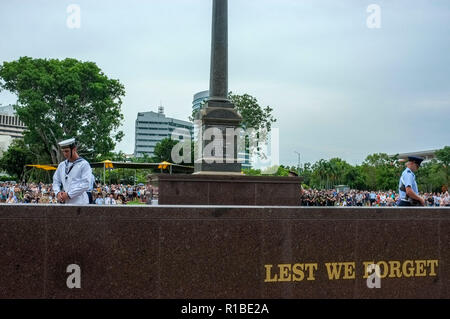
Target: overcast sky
<point x="338" y="87"/>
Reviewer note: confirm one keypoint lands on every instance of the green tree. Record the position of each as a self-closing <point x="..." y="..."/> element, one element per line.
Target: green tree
<point x="253" y="115"/>
<point x="381" y="171"/>
<point x="321" y="174"/>
<point x="431" y="176"/>
<point x="59" y="99"/>
<point x="15" y="158"/>
<point x="282" y="171"/>
<point x="354" y="178"/>
<point x="144" y="159"/>
<point x="443" y="156"/>
<point x="252" y="172"/>
<point x="341" y="172"/>
<point x="306" y="173"/>
<point x="163" y="151"/>
<point x="118" y="157"/>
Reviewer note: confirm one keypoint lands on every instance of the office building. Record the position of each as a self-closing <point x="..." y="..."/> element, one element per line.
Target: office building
<point x="10" y="127"/>
<point x="153" y="127"/>
<point x="199" y="99"/>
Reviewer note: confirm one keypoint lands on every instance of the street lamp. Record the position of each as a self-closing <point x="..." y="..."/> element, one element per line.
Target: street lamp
<point x="298" y="166"/>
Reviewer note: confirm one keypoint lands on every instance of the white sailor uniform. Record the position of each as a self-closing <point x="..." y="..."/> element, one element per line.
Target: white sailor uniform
<point x="74" y="178"/>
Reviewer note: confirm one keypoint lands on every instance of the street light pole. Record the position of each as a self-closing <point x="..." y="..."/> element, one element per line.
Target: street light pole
<point x="298" y="166"/>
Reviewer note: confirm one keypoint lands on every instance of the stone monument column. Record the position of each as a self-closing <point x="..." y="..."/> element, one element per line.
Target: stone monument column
<point x="218" y="116"/>
<point x="218" y="83"/>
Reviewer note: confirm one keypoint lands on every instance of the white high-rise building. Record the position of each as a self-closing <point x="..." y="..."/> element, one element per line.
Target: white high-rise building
<point x="153" y="127"/>
<point x="10" y="127"/>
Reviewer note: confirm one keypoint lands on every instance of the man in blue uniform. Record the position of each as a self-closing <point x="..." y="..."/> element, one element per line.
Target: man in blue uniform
<point x="409" y="192"/>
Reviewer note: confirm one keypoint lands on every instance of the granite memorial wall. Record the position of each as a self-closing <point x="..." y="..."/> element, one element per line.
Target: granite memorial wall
<point x="223" y="252"/>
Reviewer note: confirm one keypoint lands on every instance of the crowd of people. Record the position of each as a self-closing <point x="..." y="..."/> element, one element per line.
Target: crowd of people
<point x="332" y="197"/>
<point x="119" y="194"/>
<point x="40" y="193"/>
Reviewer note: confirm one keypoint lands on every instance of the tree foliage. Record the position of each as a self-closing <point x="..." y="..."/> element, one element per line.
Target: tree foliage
<point x="253" y="115"/>
<point x="163" y="150"/>
<point x="59" y="99"/>
<point x="378" y="172"/>
<point x="443" y="156"/>
<point x="15" y="158"/>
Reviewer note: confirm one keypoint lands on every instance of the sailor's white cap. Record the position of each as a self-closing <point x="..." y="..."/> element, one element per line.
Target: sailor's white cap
<point x="67" y="143"/>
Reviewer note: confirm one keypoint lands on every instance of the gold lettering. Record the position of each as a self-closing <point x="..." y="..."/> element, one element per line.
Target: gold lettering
<point x="366" y="265"/>
<point x="432" y="264"/>
<point x="349" y="270"/>
<point x="334" y="270"/>
<point x="311" y="268"/>
<point x="420" y="268"/>
<point x="408" y="272"/>
<point x="395" y="271"/>
<point x="285" y="272"/>
<point x="268" y="274"/>
<point x="384" y="272"/>
<point x="297" y="269"/>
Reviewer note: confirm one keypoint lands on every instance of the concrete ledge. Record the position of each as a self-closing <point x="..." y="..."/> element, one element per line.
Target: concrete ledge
<point x="223" y="251"/>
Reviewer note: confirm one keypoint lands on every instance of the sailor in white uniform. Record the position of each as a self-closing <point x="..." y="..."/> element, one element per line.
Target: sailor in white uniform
<point x="72" y="179"/>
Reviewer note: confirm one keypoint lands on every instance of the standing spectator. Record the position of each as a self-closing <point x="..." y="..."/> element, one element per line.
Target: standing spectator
<point x="138" y="193"/>
<point x="372" y="198"/>
<point x="99" y="200"/>
<point x="437" y="199"/>
<point x="4" y="192"/>
<point x="430" y="200"/>
<point x="130" y="193"/>
<point x="109" y="200"/>
<point x="359" y="199"/>
<point x="383" y="199"/>
<point x="91" y="188"/>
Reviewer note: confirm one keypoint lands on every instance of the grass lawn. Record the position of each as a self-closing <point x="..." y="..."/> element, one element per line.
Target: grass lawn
<point x="135" y="202"/>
